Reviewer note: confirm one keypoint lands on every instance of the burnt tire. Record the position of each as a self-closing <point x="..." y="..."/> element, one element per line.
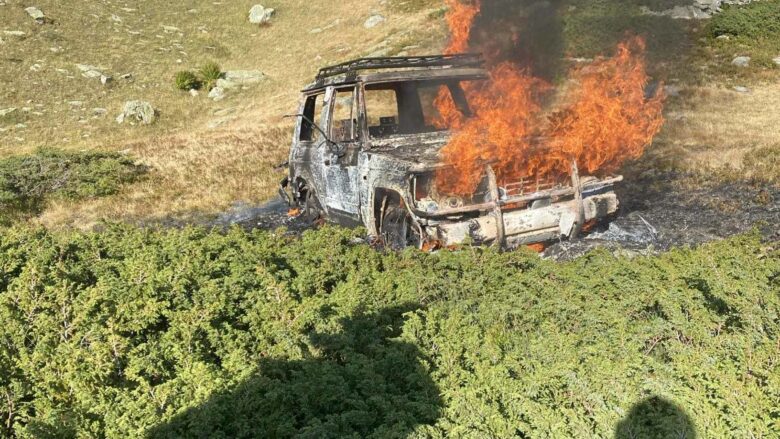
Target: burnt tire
<point x="398" y="229"/>
<point x="312" y="209"/>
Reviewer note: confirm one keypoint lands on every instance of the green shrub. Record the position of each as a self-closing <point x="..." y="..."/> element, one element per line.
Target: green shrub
<point x="209" y="74"/>
<point x="759" y="20"/>
<point x="187" y="80"/>
<point x="185" y="333"/>
<point x="27" y="181"/>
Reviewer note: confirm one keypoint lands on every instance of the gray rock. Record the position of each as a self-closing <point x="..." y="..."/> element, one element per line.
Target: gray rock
<point x="261" y="15"/>
<point x="7" y="111"/>
<point x="741" y="61"/>
<point x="137" y="111"/>
<point x="243" y="77"/>
<point x="36" y="14"/>
<point x="194" y="93"/>
<point x="741" y="89"/>
<point x="374" y="21"/>
<point x="672" y="90"/>
<point x="91" y="72"/>
<point x="217" y="93"/>
<point x="14" y="33"/>
<point x="776" y="61"/>
<point x="105" y="79"/>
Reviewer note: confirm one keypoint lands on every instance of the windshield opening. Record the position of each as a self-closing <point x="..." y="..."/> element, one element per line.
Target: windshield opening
<point x="414" y="107"/>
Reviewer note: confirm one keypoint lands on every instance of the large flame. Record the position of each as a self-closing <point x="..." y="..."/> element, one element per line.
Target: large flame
<point x="603" y="120"/>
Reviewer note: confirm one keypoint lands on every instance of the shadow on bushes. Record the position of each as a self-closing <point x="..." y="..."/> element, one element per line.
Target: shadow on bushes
<point x="656" y="417"/>
<point x="363" y="383"/>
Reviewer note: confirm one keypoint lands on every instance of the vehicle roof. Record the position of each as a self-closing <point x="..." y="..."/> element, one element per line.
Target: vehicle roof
<point x="399" y="68"/>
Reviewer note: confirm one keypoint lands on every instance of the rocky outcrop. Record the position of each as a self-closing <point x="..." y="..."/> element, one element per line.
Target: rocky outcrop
<point x="261" y="15"/>
<point x="698" y="9"/>
<point x="137" y="112"/>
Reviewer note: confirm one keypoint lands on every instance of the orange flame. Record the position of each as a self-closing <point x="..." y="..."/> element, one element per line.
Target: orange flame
<point x="460" y="19"/>
<point x="605" y="121"/>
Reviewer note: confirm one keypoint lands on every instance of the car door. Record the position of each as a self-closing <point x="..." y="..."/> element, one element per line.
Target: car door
<point x="340" y="159"/>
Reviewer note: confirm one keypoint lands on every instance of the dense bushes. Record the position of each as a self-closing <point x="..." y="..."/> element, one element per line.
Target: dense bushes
<point x="758" y="20"/>
<point x="27" y="181"/>
<point x="185" y="333"/>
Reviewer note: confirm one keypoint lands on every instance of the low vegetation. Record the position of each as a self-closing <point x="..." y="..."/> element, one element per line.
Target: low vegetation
<point x="28" y="182"/>
<point x="186" y="80"/>
<point x="209" y="74"/>
<point x="182" y="333"/>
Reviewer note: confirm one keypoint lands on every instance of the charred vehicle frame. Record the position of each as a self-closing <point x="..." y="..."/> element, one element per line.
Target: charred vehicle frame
<point x="364" y="153"/>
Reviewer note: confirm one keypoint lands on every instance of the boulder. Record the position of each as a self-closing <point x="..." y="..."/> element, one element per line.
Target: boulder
<point x="741" y="61"/>
<point x="137" y="111"/>
<point x="374" y="21"/>
<point x="36" y="14"/>
<point x="261" y="15"/>
<point x="217" y="93"/>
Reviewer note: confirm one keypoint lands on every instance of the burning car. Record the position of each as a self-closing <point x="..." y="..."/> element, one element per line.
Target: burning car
<point x="367" y="150"/>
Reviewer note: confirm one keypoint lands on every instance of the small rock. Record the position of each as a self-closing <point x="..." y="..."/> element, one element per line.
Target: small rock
<point x="741" y="89"/>
<point x="137" y="111"/>
<point x="261" y="15"/>
<point x="374" y="21"/>
<point x="723" y="37"/>
<point x="225" y="111"/>
<point x="75" y="103"/>
<point x="194" y="93"/>
<point x="243" y="77"/>
<point x="741" y="61"/>
<point x="36" y="14"/>
<point x="14" y="33"/>
<point x="672" y="90"/>
<point x="7" y="111"/>
<point x="776" y="61"/>
<point x="127" y="76"/>
<point x="217" y="93"/>
<point x="105" y="79"/>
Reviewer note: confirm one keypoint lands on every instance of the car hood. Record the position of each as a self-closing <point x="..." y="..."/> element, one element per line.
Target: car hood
<point x="418" y="150"/>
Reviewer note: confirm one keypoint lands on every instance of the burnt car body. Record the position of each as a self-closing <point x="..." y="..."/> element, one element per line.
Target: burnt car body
<point x="364" y="153"/>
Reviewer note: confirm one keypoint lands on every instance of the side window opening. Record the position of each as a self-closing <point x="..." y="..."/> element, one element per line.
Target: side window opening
<point x="344" y="122"/>
<point x="382" y="111"/>
<point x="415" y="107"/>
<point x="312" y="109"/>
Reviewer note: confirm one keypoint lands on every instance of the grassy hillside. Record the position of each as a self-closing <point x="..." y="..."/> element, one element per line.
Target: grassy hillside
<point x="133" y="333"/>
<point x="203" y="156"/>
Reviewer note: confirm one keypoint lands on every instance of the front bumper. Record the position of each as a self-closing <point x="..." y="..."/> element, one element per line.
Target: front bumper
<point x="529" y="225"/>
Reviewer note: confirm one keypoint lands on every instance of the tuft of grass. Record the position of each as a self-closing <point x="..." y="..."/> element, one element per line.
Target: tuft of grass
<point x="763" y="164"/>
<point x="209" y="74"/>
<point x="186" y="80"/>
<point x="27" y="182"/>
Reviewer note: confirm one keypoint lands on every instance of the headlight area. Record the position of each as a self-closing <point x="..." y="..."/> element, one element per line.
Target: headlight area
<point x="428" y="199"/>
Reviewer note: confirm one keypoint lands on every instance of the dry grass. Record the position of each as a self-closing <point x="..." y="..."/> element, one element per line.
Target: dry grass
<point x="202" y="161"/>
<point x="714" y="128"/>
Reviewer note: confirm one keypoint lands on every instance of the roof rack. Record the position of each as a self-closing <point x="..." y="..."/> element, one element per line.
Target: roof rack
<point x="400" y="62"/>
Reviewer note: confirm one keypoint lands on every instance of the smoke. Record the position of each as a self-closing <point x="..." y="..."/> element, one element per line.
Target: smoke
<point x="528" y="33"/>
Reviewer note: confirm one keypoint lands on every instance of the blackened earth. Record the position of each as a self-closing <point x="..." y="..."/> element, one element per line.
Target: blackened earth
<point x="658" y="211"/>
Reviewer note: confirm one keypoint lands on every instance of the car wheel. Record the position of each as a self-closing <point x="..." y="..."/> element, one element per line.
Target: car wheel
<point x="312" y="210"/>
<point x="398" y="229"/>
